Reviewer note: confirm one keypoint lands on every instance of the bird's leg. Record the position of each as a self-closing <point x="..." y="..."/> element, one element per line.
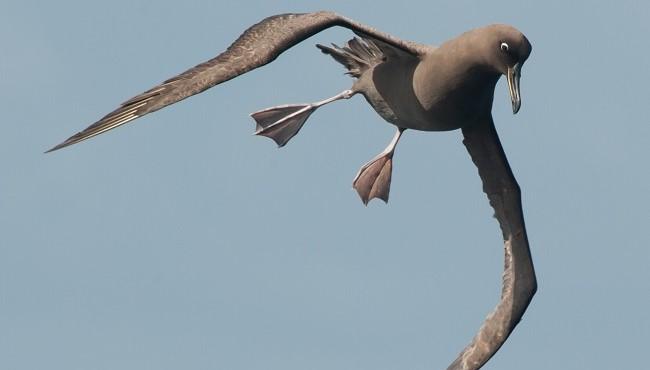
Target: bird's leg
<point x="283" y="122"/>
<point x="373" y="179"/>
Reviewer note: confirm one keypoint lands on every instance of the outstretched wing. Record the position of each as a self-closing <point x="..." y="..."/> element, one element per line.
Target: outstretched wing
<point x="519" y="283"/>
<point x="257" y="46"/>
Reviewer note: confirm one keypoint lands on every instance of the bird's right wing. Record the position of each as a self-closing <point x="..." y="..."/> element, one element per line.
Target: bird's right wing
<point x="519" y="283"/>
<point x="258" y="45"/>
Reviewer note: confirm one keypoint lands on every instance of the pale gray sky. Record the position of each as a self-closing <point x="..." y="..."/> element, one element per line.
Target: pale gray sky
<point x="183" y="242"/>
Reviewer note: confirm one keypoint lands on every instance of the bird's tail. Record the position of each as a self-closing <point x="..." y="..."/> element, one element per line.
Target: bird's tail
<point x="358" y="55"/>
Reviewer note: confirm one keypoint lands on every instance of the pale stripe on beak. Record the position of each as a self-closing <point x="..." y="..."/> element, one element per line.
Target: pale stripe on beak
<point x="514" y="74"/>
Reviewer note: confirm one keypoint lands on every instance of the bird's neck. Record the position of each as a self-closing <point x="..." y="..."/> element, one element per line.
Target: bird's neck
<point x="451" y="75"/>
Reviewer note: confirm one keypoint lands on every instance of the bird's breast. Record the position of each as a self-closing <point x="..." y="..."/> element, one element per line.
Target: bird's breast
<point x="452" y="97"/>
<point x="419" y="96"/>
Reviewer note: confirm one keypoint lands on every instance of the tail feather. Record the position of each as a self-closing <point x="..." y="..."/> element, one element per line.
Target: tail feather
<point x="358" y="55"/>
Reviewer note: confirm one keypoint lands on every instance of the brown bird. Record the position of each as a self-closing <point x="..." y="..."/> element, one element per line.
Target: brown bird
<point x="410" y="85"/>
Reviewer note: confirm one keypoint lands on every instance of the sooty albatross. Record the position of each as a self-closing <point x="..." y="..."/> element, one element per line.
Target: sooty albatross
<point x="410" y="85"/>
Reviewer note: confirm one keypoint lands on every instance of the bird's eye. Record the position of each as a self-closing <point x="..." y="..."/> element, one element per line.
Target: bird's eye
<point x="504" y="47"/>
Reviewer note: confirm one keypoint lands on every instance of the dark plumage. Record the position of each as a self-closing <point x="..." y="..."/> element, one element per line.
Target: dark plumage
<point x="410" y="85"/>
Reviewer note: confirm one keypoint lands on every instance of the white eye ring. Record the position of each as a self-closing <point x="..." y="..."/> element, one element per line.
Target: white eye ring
<point x="504" y="46"/>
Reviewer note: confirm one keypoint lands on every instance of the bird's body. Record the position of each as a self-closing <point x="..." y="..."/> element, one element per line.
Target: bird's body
<point x="395" y="89"/>
<point x="405" y="89"/>
<point x="410" y="85"/>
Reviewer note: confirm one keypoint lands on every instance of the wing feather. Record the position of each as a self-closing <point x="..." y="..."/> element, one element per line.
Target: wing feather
<point x="519" y="282"/>
<point x="258" y="45"/>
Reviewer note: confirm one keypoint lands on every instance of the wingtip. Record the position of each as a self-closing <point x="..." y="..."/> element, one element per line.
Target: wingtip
<point x="69" y="141"/>
<point x="56" y="147"/>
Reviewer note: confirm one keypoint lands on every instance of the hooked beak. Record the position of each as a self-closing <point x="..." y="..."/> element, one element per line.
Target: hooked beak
<point x="514" y="74"/>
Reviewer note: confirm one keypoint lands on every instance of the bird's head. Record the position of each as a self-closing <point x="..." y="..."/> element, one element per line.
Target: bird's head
<point x="507" y="50"/>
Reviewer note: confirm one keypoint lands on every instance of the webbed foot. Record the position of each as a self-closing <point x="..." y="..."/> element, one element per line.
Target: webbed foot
<point x="283" y="122"/>
<point x="373" y="179"/>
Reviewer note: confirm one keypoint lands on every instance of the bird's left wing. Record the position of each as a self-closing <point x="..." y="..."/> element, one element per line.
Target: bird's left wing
<point x="519" y="283"/>
<point x="258" y="45"/>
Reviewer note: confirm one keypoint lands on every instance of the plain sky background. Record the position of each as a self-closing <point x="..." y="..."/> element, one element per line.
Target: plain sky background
<point x="181" y="241"/>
